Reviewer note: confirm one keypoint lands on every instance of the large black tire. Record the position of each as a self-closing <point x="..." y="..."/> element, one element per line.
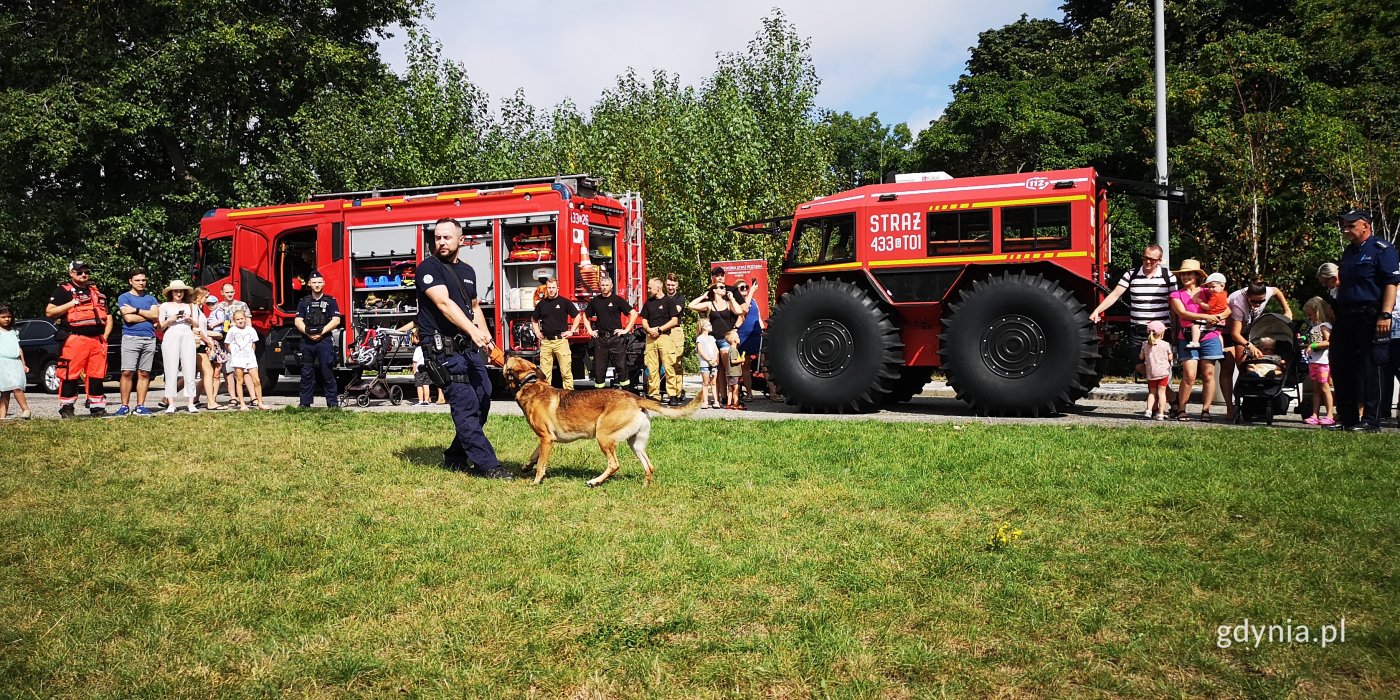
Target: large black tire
<point x="910" y="383"/>
<point x="1019" y="344"/>
<point x="832" y="349"/>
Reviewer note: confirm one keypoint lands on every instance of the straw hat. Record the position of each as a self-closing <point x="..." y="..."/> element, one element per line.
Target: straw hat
<point x="177" y="285"/>
<point x="1190" y="265"/>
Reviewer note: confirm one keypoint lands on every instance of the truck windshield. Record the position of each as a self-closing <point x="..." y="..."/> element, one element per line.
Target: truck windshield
<point x="215" y="260"/>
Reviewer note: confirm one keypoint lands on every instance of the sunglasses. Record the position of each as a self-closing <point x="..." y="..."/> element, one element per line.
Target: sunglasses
<point x="1147" y="259"/>
<point x="741" y="287"/>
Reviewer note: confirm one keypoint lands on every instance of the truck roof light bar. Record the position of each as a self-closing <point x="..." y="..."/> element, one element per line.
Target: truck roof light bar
<point x="575" y="182"/>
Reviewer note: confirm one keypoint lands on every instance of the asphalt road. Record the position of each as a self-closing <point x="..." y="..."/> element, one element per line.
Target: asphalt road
<point x="1113" y="404"/>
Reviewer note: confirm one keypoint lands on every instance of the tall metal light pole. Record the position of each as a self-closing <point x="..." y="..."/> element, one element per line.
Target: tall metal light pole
<point x="1159" y="36"/>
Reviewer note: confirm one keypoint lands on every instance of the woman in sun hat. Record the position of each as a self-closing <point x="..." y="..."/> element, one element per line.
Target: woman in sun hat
<point x="183" y="324"/>
<point x="1188" y="310"/>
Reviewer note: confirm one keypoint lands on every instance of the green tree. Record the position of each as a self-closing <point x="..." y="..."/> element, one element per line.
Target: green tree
<point x="123" y="122"/>
<point x="863" y="149"/>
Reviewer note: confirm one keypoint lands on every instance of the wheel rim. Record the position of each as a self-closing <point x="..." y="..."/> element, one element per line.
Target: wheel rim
<point x="51" y="378"/>
<point x="825" y="348"/>
<point x="1013" y="346"/>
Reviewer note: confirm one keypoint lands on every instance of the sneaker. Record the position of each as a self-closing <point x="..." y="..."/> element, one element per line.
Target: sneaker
<point x="1159" y="416"/>
<point x="65" y="411"/>
<point x="194" y="408"/>
<point x="1147" y="414"/>
<point x="497" y="472"/>
<point x="675" y="401"/>
<point x="142" y="411"/>
<point x="1312" y="420"/>
<point x="170" y="409"/>
<point x="1329" y="420"/>
<point x="25" y="415"/>
<point x="123" y="412"/>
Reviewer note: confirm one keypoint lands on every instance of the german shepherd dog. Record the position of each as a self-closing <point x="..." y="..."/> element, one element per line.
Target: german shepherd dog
<point x="609" y="415"/>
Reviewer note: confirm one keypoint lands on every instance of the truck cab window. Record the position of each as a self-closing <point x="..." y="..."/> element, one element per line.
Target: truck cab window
<point x="215" y="260"/>
<point x="823" y="240"/>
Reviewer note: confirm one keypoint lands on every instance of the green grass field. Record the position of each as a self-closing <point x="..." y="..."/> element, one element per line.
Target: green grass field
<point x="323" y="554"/>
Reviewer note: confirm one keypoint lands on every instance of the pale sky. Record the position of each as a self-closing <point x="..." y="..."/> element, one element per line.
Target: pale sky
<point x="894" y="57"/>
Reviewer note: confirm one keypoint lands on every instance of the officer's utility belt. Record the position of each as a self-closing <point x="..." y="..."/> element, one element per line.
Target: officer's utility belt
<point x="1359" y="311"/>
<point x="438" y="374"/>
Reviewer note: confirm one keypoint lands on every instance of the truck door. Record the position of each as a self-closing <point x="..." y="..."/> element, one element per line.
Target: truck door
<point x="252" y="257"/>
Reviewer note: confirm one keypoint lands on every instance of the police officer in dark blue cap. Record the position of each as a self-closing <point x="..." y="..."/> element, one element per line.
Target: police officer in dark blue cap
<point x="1370" y="270"/>
<point x="453" y="334"/>
<point x="317" y="316"/>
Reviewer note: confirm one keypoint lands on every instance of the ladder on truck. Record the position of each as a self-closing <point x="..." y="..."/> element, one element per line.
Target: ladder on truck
<point x="636" y="293"/>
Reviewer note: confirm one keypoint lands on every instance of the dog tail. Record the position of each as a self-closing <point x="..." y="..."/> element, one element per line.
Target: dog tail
<point x="672" y="412"/>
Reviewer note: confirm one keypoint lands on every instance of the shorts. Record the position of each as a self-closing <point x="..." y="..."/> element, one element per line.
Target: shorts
<point x="707" y="368"/>
<point x="420" y="378"/>
<point x="1210" y="349"/>
<point x="732" y="381"/>
<point x="1320" y="373"/>
<point x="138" y="353"/>
<point x="723" y="345"/>
<point x="1155" y="384"/>
<point x="246" y="364"/>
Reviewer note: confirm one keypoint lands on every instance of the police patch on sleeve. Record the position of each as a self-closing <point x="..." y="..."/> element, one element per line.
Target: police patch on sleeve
<point x="427" y="279"/>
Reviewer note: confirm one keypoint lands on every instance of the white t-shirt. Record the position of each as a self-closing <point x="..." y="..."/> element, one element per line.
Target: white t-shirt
<point x="1238" y="302"/>
<point x="242" y="346"/>
<point x="418" y="358"/>
<point x="171" y="309"/>
<point x="707" y="348"/>
<point x="1318" y="357"/>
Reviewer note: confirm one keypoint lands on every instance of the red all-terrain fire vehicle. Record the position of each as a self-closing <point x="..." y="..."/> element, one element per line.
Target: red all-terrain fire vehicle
<point x="989" y="278"/>
<point x="368" y="244"/>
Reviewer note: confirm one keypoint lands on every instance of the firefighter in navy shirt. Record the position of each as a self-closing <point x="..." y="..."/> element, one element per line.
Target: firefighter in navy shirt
<point x="555" y="319"/>
<point x="452" y="333"/>
<point x="610" y="348"/>
<point x="317" y="316"/>
<point x="1369" y="271"/>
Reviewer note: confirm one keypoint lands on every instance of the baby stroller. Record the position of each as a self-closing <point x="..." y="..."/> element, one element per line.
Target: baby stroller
<point x="372" y="354"/>
<point x="1262" y="388"/>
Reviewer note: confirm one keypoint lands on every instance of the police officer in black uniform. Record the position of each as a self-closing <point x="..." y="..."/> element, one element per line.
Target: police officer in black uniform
<point x="453" y="334"/>
<point x="610" y="348"/>
<point x="1370" y="270"/>
<point x="317" y="316"/>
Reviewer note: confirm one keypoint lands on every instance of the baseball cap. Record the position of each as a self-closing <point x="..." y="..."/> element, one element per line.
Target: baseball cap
<point x="1357" y="215"/>
<point x="1157" y="327"/>
<point x="1215" y="277"/>
<point x="78" y="265"/>
<point x="717" y="272"/>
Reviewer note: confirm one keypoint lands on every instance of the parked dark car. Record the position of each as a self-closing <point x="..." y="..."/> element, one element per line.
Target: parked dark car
<point x="41" y="353"/>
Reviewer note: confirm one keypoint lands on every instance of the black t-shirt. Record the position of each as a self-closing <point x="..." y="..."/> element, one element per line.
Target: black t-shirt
<point x="607" y="312"/>
<point x="553" y="316"/>
<point x="679" y="302"/>
<point x="62" y="296"/>
<point x="432" y="272"/>
<point x="659" y="312"/>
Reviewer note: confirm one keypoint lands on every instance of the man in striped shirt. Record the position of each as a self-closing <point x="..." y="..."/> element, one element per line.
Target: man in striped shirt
<point x="1148" y="288"/>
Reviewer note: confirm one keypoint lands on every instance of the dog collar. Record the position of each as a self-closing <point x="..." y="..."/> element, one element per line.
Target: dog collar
<point x="529" y="379"/>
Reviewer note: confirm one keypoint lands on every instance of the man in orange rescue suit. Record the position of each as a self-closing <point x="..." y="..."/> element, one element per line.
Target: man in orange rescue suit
<point x="80" y="312"/>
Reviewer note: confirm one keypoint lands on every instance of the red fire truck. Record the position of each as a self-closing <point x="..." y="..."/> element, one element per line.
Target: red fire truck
<point x="988" y="278"/>
<point x="368" y="244"/>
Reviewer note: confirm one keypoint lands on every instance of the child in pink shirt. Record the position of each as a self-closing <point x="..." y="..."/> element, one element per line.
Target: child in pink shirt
<point x="1156" y="355"/>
